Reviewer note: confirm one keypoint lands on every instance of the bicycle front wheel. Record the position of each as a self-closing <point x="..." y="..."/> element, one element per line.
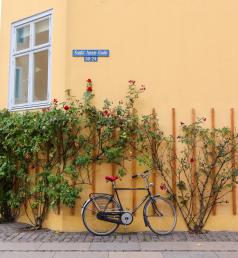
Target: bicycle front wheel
<point x="160" y="215"/>
<point x="101" y="203"/>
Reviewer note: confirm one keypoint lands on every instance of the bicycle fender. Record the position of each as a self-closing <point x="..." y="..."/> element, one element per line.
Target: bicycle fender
<point x="144" y="210"/>
<point x="91" y="197"/>
<point x="84" y="204"/>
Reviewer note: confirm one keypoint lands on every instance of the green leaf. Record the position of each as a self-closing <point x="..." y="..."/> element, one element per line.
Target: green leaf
<point x="121" y="172"/>
<point x="181" y="185"/>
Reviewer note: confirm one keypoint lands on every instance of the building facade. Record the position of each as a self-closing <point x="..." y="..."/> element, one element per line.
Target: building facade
<point x="185" y="53"/>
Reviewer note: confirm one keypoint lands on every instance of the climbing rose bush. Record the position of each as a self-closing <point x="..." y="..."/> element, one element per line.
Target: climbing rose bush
<point x="205" y="167"/>
<point x="46" y="156"/>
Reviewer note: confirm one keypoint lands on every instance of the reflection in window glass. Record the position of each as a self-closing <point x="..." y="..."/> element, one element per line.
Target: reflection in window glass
<point x="40" y="76"/>
<point x="42" y="32"/>
<point x="21" y="79"/>
<point x="23" y="38"/>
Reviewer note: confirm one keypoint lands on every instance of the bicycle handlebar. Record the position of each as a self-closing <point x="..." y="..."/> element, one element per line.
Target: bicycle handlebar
<point x="140" y="175"/>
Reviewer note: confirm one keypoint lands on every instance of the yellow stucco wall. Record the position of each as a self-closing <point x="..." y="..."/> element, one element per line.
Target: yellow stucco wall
<point x="185" y="53"/>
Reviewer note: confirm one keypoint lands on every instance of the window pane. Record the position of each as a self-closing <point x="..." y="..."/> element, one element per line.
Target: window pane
<point x="21" y="80"/>
<point x="40" y="76"/>
<point x="42" y="32"/>
<point x="23" y="38"/>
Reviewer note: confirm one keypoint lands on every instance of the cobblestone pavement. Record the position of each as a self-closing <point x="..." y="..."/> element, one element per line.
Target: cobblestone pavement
<point x="16" y="232"/>
<point x="18" y="241"/>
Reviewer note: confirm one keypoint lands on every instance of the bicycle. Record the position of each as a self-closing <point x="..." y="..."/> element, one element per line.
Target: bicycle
<point x="103" y="213"/>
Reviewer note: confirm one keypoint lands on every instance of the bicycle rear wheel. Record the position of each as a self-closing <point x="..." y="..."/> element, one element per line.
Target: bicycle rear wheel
<point x="160" y="215"/>
<point x="101" y="203"/>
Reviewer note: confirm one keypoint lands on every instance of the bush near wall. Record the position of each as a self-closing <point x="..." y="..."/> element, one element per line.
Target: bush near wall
<point x="205" y="168"/>
<point x="46" y="156"/>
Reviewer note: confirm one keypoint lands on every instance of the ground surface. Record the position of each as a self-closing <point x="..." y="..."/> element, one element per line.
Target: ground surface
<point x="17" y="242"/>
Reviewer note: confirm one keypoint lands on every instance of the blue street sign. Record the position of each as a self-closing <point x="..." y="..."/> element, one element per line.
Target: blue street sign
<point x="91" y="52"/>
<point x="90" y="59"/>
<point x="104" y="53"/>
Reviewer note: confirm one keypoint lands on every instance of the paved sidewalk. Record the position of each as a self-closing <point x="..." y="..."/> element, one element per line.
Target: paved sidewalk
<point x="17" y="232"/>
<point x="116" y="250"/>
<point x="17" y="242"/>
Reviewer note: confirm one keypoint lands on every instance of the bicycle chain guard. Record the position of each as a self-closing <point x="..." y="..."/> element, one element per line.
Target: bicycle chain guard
<point x="121" y="217"/>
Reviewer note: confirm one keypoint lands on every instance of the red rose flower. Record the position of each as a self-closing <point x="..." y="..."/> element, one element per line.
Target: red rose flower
<point x="90" y="89"/>
<point x="106" y="113"/>
<point x="132" y="82"/>
<point x="89" y="80"/>
<point x="192" y="160"/>
<point x="163" y="187"/>
<point x="55" y="101"/>
<point x="66" y="107"/>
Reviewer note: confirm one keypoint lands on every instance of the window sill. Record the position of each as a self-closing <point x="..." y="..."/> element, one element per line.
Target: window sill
<point x="28" y="107"/>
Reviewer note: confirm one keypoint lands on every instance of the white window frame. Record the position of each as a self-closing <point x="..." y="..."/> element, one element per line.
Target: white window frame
<point x="30" y="51"/>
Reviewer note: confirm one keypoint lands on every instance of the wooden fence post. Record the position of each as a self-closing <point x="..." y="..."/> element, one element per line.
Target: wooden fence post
<point x="113" y="166"/>
<point x="133" y="170"/>
<point x="154" y="173"/>
<point x="72" y="210"/>
<point x="214" y="210"/>
<point x="94" y="165"/>
<point x="194" y="208"/>
<point x="233" y="160"/>
<point x="174" y="163"/>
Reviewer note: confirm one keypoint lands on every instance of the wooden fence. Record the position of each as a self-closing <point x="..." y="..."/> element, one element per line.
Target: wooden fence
<point x="174" y="164"/>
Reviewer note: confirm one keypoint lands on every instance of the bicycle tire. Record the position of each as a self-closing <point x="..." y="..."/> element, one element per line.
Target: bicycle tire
<point x="168" y="215"/>
<point x="112" y="204"/>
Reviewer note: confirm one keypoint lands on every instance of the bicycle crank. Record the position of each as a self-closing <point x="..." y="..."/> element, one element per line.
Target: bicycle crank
<point x="126" y="218"/>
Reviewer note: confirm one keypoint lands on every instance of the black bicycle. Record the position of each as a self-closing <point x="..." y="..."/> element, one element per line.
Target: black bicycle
<point x="103" y="213"/>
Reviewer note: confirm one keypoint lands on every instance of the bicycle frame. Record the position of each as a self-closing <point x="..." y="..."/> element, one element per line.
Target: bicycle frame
<point x="133" y="211"/>
<point x="149" y="196"/>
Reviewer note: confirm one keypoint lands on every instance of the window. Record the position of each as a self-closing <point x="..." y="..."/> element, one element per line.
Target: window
<point x="30" y="62"/>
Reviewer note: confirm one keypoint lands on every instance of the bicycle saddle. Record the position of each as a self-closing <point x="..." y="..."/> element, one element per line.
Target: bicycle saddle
<point x="111" y="178"/>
